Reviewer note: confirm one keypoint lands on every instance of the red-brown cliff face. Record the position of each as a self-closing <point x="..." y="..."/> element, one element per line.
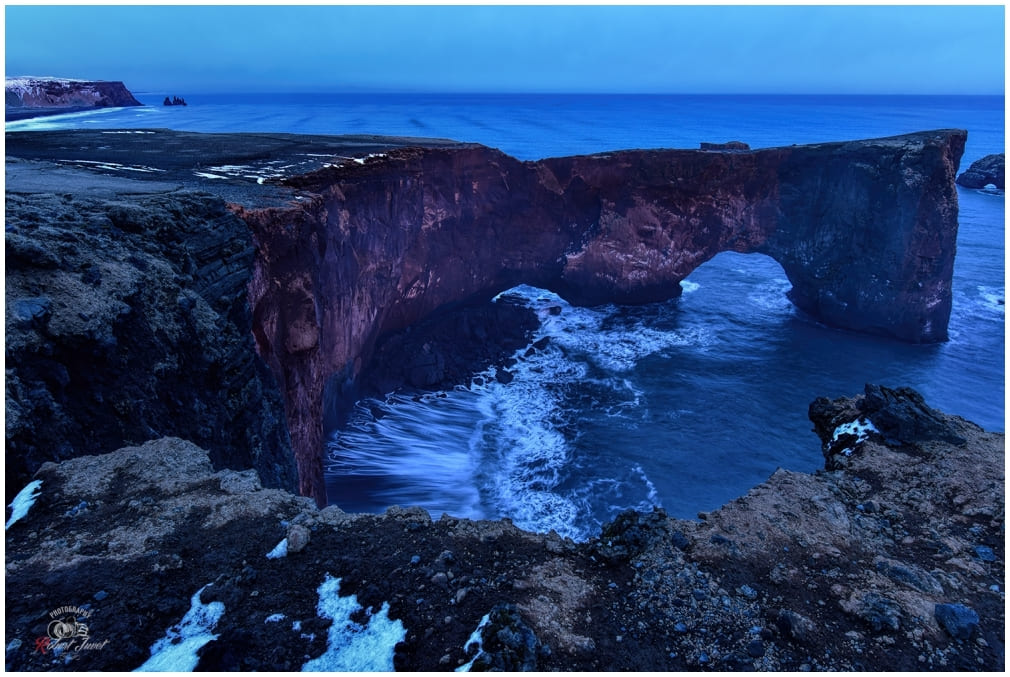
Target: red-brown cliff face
<point x="864" y="230"/>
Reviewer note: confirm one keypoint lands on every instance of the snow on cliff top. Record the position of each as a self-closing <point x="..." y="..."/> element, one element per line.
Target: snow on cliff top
<point x="29" y="83"/>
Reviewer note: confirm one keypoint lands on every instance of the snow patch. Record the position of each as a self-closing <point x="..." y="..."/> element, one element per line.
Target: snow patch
<point x="352" y="647"/>
<point x="176" y="651"/>
<point x="113" y="166"/>
<point x="280" y="550"/>
<point x="274" y="618"/>
<point x="23" y="502"/>
<point x="861" y="428"/>
<point x="475" y="640"/>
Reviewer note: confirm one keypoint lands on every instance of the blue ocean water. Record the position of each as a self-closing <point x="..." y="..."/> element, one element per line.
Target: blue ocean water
<point x="684" y="404"/>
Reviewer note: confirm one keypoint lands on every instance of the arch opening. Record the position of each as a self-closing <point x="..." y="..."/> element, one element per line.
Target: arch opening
<point x="603" y="409"/>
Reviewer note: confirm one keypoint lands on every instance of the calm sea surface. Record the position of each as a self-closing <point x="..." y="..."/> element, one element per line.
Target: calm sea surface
<point x="685" y="404"/>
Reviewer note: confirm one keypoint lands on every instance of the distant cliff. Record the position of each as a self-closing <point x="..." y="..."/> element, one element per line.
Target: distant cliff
<point x="57" y="93"/>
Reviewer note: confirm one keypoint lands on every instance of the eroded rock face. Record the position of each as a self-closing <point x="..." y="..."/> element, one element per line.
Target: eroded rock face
<point x="368" y="235"/>
<point x="127" y="320"/>
<point x="864" y="230"/>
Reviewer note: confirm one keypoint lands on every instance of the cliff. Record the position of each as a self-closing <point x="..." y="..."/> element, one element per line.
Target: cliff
<point x="27" y="96"/>
<point x="865" y="231"/>
<point x="355" y="237"/>
<point x="127" y="320"/>
<point x="30" y="92"/>
<point x="890" y="559"/>
<point x="233" y="280"/>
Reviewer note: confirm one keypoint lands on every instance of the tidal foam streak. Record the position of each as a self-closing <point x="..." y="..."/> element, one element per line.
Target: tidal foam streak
<point x="417" y="453"/>
<point x="517" y="449"/>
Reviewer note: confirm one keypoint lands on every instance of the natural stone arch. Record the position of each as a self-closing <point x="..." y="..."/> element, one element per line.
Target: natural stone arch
<point x="865" y="232"/>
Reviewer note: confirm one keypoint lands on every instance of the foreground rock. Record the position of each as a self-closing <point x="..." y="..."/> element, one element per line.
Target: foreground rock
<point x="127" y="320"/>
<point x="988" y="170"/>
<point x="26" y="97"/>
<point x="893" y="561"/>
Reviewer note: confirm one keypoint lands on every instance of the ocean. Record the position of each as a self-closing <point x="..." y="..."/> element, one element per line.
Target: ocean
<point x="684" y="404"/>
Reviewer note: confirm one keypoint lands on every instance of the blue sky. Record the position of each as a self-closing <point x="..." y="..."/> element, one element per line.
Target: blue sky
<point x="650" y="49"/>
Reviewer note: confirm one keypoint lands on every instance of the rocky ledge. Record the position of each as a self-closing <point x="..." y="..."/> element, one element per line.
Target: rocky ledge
<point x="891" y="558"/>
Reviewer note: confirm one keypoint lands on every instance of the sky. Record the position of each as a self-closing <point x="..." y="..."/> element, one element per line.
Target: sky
<point x="610" y="49"/>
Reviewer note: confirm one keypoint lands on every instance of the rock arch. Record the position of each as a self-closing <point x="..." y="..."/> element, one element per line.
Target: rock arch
<point x="864" y="230"/>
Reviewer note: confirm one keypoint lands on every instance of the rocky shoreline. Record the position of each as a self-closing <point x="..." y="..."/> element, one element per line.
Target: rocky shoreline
<point x="893" y="560"/>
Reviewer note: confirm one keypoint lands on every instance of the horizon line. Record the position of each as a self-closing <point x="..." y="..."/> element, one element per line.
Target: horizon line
<point x="402" y="92"/>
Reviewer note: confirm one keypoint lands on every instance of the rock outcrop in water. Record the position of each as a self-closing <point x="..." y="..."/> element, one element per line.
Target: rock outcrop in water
<point x="988" y="170"/>
<point x="892" y="561"/>
<point x="363" y="236"/>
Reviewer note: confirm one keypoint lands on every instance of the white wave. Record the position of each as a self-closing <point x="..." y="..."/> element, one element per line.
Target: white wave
<point x="993" y="298"/>
<point x="689" y="286"/>
<point x="770" y="295"/>
<point x="60" y="121"/>
<point x="512" y="449"/>
<point x="420" y="448"/>
<point x="523" y="455"/>
<point x="588" y="332"/>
